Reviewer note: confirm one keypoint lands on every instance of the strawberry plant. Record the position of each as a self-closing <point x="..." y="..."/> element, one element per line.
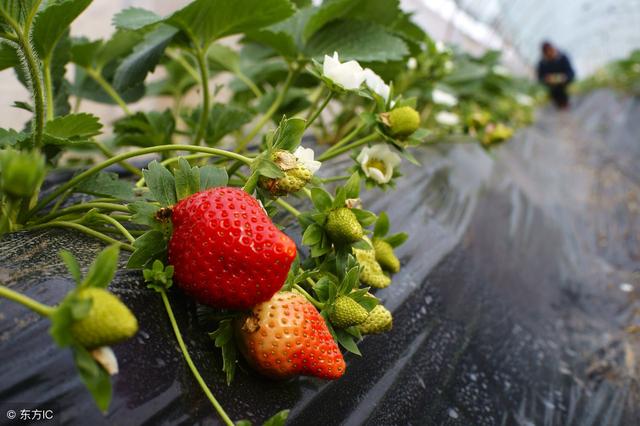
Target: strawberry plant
<point x="197" y="194"/>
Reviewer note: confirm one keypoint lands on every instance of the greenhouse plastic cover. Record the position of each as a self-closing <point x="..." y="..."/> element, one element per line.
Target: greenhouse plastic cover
<point x="512" y="306"/>
<point x="592" y="32"/>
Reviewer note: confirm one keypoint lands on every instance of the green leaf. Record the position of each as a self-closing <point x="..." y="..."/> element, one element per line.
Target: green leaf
<point x="327" y="12"/>
<point x="144" y="58"/>
<point x="187" y="179"/>
<point x="278" y="419"/>
<point x="72" y="265"/>
<point x="103" y="268"/>
<point x="224" y="119"/>
<point x="161" y="183"/>
<point x="397" y="239"/>
<point x="52" y="22"/>
<point x="135" y="18"/>
<point x="149" y="246"/>
<point x="105" y="184"/>
<point x="8" y="57"/>
<point x="352" y="186"/>
<point x="80" y="126"/>
<point x="94" y="377"/>
<point x="285" y="37"/>
<point x="9" y="137"/>
<point x="347" y="341"/>
<point x="211" y="176"/>
<point x="144" y="213"/>
<point x="362" y="245"/>
<point x="18" y="9"/>
<point x="83" y="52"/>
<point x="208" y="20"/>
<point x="365" y="217"/>
<point x="265" y="167"/>
<point x="224" y="56"/>
<point x="312" y="235"/>
<point x="158" y="277"/>
<point x="145" y="129"/>
<point x="362" y="41"/>
<point x="289" y="133"/>
<point x="321" y="199"/>
<point x="223" y="338"/>
<point x="382" y="225"/>
<point x="61" y="320"/>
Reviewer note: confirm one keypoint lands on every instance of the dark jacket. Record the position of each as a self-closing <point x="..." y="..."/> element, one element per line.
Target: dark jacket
<point x="559" y="65"/>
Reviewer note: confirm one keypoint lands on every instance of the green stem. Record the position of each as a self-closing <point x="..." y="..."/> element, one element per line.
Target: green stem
<point x="334" y="179"/>
<point x="83" y="229"/>
<point x="83" y="207"/>
<point x="204" y="81"/>
<point x="288" y="207"/>
<point x="318" y="111"/>
<point x="347" y="138"/>
<point x="97" y="76"/>
<point x="331" y="152"/>
<point x="118" y="226"/>
<point x="110" y="154"/>
<point x="250" y="84"/>
<point x="168" y="161"/>
<point x="267" y="115"/>
<point x="26" y="301"/>
<point x="194" y="370"/>
<point x="307" y="296"/>
<point x="126" y="155"/>
<point x="33" y="69"/>
<point x="176" y="56"/>
<point x="46" y="67"/>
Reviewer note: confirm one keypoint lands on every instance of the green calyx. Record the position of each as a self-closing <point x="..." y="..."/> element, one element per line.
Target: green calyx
<point x="385" y="256"/>
<point x="108" y="321"/>
<point x="343" y="227"/>
<point x="378" y="321"/>
<point x="347" y="312"/>
<point x="402" y="121"/>
<point x="371" y="273"/>
<point x="21" y="172"/>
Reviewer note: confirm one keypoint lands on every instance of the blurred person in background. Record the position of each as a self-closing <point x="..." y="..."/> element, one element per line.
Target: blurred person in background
<point x="555" y="72"/>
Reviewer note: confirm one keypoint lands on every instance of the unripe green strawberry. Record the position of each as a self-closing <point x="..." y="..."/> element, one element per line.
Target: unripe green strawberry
<point x="343" y="226"/>
<point x="371" y="273"/>
<point x="347" y="312"/>
<point x="296" y="175"/>
<point x="109" y="320"/>
<point x="378" y="321"/>
<point x="403" y="121"/>
<point x="385" y="256"/>
<point x="21" y="172"/>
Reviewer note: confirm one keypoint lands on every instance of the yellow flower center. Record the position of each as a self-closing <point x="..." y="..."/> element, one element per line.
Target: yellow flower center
<point x="377" y="164"/>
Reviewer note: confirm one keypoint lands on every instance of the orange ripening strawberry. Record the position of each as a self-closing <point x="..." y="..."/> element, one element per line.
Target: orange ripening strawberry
<point x="226" y="251"/>
<point x="287" y="336"/>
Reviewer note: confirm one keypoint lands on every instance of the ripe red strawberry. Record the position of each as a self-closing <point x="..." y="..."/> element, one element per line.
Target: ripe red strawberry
<point x="286" y="336"/>
<point x="226" y="251"/>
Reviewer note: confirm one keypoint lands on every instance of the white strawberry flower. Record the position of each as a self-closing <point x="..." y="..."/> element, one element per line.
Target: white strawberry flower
<point x="412" y="63"/>
<point x="305" y="157"/>
<point x="440" y="46"/>
<point x="443" y="98"/>
<point x="448" y="66"/>
<point x="523" y="99"/>
<point x="447" y="118"/>
<point x="375" y="83"/>
<point x="377" y="162"/>
<point x="349" y="75"/>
